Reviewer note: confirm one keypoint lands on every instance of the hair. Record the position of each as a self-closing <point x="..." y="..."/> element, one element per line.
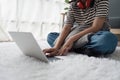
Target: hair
<point x="73" y="1"/>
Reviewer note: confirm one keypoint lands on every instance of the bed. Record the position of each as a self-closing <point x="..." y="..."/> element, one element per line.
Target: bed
<point x="16" y="66"/>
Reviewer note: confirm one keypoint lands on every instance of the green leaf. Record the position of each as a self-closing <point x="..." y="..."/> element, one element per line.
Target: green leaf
<point x="66" y="8"/>
<point x="67" y="1"/>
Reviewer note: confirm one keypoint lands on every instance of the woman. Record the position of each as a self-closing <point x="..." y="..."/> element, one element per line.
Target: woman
<point x="86" y="30"/>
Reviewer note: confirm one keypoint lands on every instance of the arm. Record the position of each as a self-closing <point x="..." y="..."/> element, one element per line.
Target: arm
<point x="65" y="31"/>
<point x="101" y="15"/>
<point x="53" y="51"/>
<point x="96" y="26"/>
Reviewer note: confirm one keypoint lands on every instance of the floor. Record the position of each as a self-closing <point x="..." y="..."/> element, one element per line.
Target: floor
<point x="117" y="32"/>
<point x="71" y="67"/>
<point x="119" y="43"/>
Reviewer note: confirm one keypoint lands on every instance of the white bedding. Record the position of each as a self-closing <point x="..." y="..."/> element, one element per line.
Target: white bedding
<point x="16" y="66"/>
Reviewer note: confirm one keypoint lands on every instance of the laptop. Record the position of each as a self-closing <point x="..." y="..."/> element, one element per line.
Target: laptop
<point x="29" y="46"/>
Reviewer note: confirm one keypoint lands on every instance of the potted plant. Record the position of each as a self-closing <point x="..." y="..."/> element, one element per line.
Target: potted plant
<point x="67" y="4"/>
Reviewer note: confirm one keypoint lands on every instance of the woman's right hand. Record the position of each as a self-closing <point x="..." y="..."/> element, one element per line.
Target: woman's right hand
<point x="50" y="52"/>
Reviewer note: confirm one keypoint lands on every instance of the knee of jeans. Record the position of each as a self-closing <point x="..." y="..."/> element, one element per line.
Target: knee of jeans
<point x="52" y="37"/>
<point x="111" y="38"/>
<point x="107" y="44"/>
<point x="107" y="37"/>
<point x="53" y="34"/>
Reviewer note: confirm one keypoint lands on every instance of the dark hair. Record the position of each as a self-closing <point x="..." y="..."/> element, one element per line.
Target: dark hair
<point x="73" y="1"/>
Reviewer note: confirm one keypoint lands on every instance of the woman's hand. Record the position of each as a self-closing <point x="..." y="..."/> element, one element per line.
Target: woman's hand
<point x="66" y="47"/>
<point x="62" y="51"/>
<point x="50" y="52"/>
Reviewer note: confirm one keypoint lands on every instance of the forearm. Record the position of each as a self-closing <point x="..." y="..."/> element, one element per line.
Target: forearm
<point x="95" y="27"/>
<point x="65" y="31"/>
<point x="82" y="33"/>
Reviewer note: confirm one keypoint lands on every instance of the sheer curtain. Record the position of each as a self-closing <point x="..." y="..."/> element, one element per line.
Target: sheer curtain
<point x="37" y="16"/>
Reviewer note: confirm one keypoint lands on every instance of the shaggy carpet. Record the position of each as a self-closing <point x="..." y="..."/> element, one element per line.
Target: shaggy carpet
<point x="16" y="66"/>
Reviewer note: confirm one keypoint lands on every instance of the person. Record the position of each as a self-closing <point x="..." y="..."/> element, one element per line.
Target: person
<point x="86" y="30"/>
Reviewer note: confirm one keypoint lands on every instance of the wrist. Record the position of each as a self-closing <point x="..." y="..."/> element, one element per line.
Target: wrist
<point x="72" y="39"/>
<point x="55" y="47"/>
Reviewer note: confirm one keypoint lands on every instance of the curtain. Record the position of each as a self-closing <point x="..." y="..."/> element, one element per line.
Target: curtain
<point x="37" y="16"/>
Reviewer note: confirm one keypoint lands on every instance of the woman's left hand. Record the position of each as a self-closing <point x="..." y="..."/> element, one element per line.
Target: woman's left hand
<point x="66" y="47"/>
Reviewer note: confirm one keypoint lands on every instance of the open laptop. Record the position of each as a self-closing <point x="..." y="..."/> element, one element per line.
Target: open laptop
<point x="29" y="46"/>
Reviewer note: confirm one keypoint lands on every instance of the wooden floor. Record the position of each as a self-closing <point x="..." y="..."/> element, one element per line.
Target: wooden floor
<point x="119" y="43"/>
<point x="117" y="33"/>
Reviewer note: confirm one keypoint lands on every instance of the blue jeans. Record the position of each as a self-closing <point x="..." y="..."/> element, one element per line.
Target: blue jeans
<point x="102" y="42"/>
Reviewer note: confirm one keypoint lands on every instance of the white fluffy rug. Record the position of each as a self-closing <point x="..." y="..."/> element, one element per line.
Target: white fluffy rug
<point x="16" y="66"/>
